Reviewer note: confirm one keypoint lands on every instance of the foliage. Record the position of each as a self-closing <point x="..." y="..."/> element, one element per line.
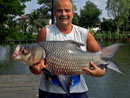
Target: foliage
<point x="46" y="6"/>
<point x="89" y="15"/>
<point x="76" y="16"/>
<point x="118" y="26"/>
<point x="91" y="30"/>
<point x="39" y="17"/>
<point x="104" y="35"/>
<point x="3" y="33"/>
<point x="76" y="19"/>
<point x="109" y="35"/>
<point x="115" y="35"/>
<point x="9" y="9"/>
<point x="119" y="10"/>
<point x="34" y="22"/>
<point x="97" y="34"/>
<point x="14" y="34"/>
<point x="108" y="25"/>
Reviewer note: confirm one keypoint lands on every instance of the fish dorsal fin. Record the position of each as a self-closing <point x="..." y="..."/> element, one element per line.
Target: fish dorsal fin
<point x="77" y="43"/>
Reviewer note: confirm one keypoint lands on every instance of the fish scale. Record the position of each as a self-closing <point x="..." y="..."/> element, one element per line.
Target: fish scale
<point x="66" y="64"/>
<point x="66" y="57"/>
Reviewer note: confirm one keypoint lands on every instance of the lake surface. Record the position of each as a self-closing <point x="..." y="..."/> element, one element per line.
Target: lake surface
<point x="112" y="85"/>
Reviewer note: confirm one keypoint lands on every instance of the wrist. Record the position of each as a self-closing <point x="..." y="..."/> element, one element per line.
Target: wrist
<point x="31" y="66"/>
<point x="35" y="69"/>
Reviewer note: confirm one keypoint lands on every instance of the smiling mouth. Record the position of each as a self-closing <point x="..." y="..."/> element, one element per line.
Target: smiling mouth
<point x="63" y="17"/>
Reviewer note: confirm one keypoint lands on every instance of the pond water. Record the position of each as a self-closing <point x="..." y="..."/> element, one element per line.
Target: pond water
<point x="112" y="85"/>
<point x="8" y="65"/>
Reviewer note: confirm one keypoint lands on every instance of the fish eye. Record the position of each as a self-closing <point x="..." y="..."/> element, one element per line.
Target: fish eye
<point x="24" y="51"/>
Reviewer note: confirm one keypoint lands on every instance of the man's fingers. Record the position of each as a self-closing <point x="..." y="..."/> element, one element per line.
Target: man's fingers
<point x="92" y="65"/>
<point x="90" y="70"/>
<point x="93" y="70"/>
<point x="87" y="70"/>
<point x="41" y="64"/>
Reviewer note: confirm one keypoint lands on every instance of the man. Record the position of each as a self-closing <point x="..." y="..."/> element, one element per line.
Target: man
<point x="65" y="30"/>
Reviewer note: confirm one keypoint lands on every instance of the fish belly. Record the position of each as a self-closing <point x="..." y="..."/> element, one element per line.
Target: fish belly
<point x="67" y="65"/>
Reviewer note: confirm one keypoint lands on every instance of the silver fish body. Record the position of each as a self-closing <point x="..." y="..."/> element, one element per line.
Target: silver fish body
<point x="66" y="57"/>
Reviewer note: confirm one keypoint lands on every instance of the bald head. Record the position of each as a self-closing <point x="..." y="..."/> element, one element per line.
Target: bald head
<point x="62" y="0"/>
<point x="57" y="1"/>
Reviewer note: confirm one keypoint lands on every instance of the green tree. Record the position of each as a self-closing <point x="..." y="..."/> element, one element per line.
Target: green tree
<point x="9" y="9"/>
<point x="129" y="21"/>
<point x="76" y="19"/>
<point x="89" y="15"/>
<point x="76" y="16"/>
<point x="34" y="23"/>
<point x="38" y="18"/>
<point x="108" y="25"/>
<point x="119" y="10"/>
<point x="45" y="9"/>
<point x="23" y="24"/>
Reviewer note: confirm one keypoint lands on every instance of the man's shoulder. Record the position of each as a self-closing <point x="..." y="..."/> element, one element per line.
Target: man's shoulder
<point x="79" y="28"/>
<point x="50" y="26"/>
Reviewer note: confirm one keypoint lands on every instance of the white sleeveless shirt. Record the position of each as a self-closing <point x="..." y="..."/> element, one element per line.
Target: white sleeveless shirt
<point x="77" y="34"/>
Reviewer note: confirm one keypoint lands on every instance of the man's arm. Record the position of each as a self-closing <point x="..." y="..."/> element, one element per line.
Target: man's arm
<point x="41" y="35"/>
<point x="36" y="69"/>
<point x="93" y="46"/>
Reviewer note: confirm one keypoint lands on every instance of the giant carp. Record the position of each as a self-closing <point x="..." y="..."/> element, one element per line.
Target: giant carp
<point x="64" y="57"/>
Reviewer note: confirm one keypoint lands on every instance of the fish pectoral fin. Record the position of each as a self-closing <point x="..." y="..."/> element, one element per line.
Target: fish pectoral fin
<point x="47" y="72"/>
<point x="65" y="82"/>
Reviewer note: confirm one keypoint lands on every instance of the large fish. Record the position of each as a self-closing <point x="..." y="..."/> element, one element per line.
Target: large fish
<point x="65" y="57"/>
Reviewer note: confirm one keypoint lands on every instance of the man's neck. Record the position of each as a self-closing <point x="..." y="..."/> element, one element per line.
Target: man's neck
<point x="65" y="29"/>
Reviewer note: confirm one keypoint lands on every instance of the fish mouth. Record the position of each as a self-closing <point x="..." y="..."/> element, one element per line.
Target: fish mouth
<point x="16" y="52"/>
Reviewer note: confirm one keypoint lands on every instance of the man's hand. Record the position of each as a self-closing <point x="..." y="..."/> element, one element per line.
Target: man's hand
<point x="36" y="69"/>
<point x="96" y="71"/>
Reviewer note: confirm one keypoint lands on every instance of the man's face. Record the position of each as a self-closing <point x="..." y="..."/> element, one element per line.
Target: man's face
<point x="63" y="12"/>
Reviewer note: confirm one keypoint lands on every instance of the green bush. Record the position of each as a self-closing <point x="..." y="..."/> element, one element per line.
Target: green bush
<point x="97" y="36"/>
<point x="104" y="35"/>
<point x="115" y="35"/>
<point x="109" y="35"/>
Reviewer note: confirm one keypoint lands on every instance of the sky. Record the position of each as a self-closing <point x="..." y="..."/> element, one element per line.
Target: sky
<point x="79" y="4"/>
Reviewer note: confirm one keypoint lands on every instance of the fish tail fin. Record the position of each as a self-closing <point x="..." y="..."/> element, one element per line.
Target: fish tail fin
<point x="112" y="65"/>
<point x="107" y="55"/>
